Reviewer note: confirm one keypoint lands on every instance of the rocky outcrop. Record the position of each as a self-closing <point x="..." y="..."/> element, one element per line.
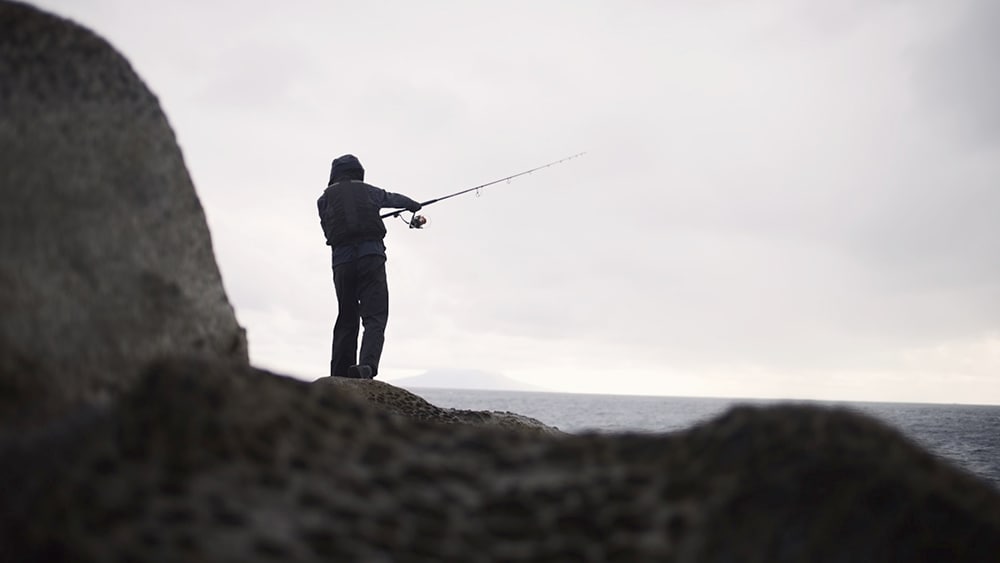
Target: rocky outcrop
<point x="393" y="400"/>
<point x="107" y="264"/>
<point x="105" y="256"/>
<point x="211" y="462"/>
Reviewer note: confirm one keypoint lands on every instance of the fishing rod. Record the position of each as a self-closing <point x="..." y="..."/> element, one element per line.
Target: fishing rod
<point x="418" y="221"/>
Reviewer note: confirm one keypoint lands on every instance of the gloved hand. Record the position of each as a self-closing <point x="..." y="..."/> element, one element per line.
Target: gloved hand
<point x="414" y="208"/>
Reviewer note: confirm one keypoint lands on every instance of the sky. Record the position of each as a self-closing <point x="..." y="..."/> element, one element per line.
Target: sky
<point x="780" y="199"/>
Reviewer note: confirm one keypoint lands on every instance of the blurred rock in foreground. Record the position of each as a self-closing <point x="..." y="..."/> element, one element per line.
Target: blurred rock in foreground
<point x="105" y="256"/>
<point x="220" y="462"/>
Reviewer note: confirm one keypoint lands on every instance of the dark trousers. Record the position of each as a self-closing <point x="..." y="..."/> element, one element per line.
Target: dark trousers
<point x="362" y="295"/>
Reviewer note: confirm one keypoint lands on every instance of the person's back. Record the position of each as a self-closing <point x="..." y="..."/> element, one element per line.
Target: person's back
<point x="349" y="208"/>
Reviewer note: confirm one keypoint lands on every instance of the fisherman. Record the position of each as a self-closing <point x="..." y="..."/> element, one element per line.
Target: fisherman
<point x="349" y="214"/>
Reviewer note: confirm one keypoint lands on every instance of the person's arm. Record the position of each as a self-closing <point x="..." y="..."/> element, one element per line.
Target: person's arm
<point x="382" y="198"/>
<point x="321" y="207"/>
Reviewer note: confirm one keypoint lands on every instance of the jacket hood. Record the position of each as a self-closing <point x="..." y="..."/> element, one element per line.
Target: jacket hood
<point x="346" y="167"/>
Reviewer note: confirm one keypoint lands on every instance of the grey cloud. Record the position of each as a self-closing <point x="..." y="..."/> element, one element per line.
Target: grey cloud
<point x="957" y="74"/>
<point x="759" y="190"/>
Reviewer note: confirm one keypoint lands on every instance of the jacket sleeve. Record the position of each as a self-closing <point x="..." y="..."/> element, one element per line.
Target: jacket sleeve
<point x="321" y="207"/>
<point x="382" y="198"/>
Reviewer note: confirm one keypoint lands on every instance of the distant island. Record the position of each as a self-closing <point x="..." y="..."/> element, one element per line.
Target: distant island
<point x="451" y="378"/>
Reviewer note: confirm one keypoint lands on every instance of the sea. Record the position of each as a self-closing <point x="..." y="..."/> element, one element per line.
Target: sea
<point x="966" y="435"/>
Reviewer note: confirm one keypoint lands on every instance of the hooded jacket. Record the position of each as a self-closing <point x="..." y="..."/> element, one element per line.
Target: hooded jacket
<point x="349" y="213"/>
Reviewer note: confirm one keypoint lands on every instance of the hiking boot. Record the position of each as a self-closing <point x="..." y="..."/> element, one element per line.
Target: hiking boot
<point x="360" y="371"/>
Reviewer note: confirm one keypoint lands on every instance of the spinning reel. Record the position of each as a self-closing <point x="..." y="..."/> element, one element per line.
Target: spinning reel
<point x="417" y="221"/>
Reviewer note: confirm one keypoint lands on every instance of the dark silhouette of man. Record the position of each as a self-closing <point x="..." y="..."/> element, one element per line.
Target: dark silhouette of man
<point x="349" y="214"/>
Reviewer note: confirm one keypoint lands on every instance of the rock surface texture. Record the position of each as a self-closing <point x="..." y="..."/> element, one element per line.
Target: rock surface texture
<point x="393" y="400"/>
<point x="105" y="256"/>
<point x="210" y="462"/>
<point x="197" y="456"/>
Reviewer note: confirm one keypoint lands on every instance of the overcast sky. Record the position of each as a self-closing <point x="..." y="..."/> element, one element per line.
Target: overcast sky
<point x="779" y="198"/>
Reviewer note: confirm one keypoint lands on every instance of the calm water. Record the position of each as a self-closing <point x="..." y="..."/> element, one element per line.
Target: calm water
<point x="968" y="435"/>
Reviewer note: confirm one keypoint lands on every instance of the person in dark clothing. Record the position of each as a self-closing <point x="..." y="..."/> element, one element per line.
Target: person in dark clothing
<point x="349" y="214"/>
